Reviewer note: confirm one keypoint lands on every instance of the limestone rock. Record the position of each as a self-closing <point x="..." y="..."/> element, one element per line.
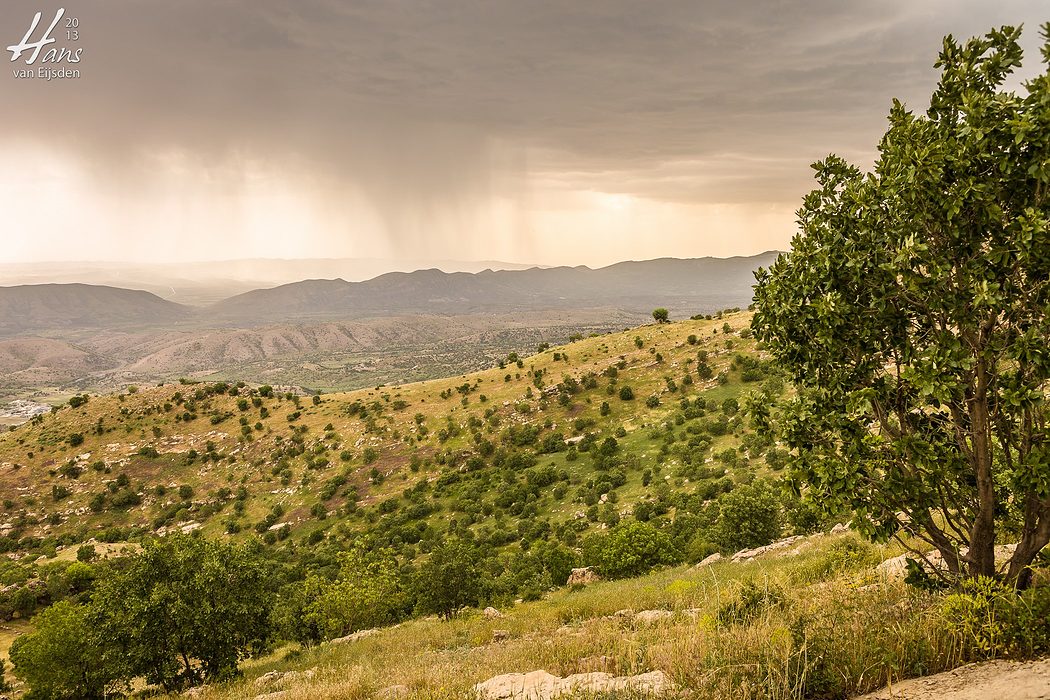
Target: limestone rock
<point x="500" y="635"/>
<point x="279" y="679"/>
<point x="896" y="568"/>
<point x="515" y="686"/>
<point x="492" y="614"/>
<point x="354" y="637"/>
<point x="582" y="577"/>
<point x="540" y="685"/>
<point x="893" y="568"/>
<point x="708" y="560"/>
<point x="749" y="554"/>
<point x="649" y="617"/>
<point x="267" y="679"/>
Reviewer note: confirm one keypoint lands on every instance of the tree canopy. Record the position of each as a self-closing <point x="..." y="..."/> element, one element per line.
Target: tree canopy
<point x="631" y="548"/>
<point x="911" y="314"/>
<point x="186" y="609"/>
<point x="449" y="580"/>
<point x="368" y="593"/>
<point x="64" y="657"/>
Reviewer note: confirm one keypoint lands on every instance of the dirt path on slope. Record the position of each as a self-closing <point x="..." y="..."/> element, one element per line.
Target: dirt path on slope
<point x="994" y="680"/>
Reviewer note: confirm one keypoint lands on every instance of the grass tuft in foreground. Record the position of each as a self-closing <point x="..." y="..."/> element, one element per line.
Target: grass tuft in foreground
<point x="820" y="624"/>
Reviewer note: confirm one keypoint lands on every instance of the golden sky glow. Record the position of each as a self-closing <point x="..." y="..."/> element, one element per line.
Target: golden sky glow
<point x="546" y="132"/>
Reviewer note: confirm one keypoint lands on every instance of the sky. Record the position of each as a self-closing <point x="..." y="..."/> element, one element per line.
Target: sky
<point x="538" y="131"/>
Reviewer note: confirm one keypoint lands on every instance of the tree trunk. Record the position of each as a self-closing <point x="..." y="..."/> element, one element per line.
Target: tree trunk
<point x="949" y="551"/>
<point x="1034" y="536"/>
<point x="982" y="535"/>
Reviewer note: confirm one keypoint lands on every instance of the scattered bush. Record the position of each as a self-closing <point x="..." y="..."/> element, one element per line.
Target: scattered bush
<point x="748" y="516"/>
<point x="631" y="548"/>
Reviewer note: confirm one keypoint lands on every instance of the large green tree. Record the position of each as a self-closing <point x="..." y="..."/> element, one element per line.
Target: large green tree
<point x="449" y="580"/>
<point x="186" y="609"/>
<point x="368" y="593"/>
<point x="631" y="548"/>
<point x="748" y="516"/>
<point x="912" y="316"/>
<point x="65" y="656"/>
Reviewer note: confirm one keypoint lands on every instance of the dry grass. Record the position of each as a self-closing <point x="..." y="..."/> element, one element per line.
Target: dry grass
<point x="39" y="450"/>
<point x="827" y="638"/>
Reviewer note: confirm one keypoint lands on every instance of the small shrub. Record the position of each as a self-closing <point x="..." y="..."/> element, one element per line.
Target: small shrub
<point x="989" y="619"/>
<point x="86" y="552"/>
<point x="974" y="615"/>
<point x="849" y="554"/>
<point x="752" y="600"/>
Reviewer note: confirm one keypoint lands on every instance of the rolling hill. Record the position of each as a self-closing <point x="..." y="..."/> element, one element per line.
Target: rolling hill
<point x="28" y="361"/>
<point x="60" y="307"/>
<point x="534" y="461"/>
<point x="692" y="286"/>
<point x="337" y="335"/>
<point x="318" y="462"/>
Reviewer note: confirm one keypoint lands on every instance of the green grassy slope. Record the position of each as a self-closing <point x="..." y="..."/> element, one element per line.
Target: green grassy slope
<point x="224" y="459"/>
<point x="817" y="622"/>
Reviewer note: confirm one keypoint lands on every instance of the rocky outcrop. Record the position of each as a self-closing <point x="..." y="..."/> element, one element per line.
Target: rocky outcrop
<point x="582" y="577"/>
<point x="652" y="617"/>
<point x="649" y="617"/>
<point x="353" y="637"/>
<point x="540" y="685"/>
<point x="993" y="679"/>
<point x="749" y="554"/>
<point x="280" y="679"/>
<point x="708" y="560"/>
<point x="896" y="568"/>
<point x="492" y="614"/>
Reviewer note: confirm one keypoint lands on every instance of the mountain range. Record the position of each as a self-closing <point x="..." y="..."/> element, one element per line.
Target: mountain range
<point x="333" y="334"/>
<point x="684" y="286"/>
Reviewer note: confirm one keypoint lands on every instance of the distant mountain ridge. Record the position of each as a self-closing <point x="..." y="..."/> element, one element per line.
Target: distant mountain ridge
<point x="70" y="306"/>
<point x="203" y="283"/>
<point x="682" y="285"/>
<point x="697" y="285"/>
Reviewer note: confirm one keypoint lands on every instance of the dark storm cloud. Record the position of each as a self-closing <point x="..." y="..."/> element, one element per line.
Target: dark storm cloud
<point x="419" y="104"/>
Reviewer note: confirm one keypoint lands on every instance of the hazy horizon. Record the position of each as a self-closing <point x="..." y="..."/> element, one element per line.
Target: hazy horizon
<point x="209" y="280"/>
<point x="401" y="260"/>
